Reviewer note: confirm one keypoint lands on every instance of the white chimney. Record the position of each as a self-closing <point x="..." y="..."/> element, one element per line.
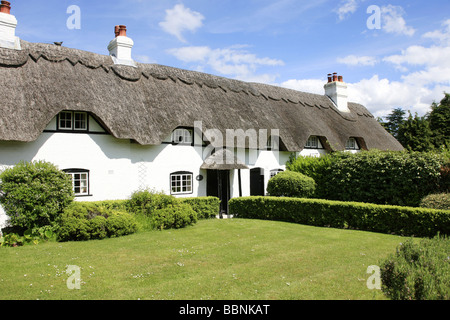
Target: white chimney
<point x="8" y="24"/>
<point x="336" y="90"/>
<point x="120" y="47"/>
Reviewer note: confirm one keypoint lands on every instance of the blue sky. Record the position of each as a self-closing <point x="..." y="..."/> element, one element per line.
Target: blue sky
<point x="400" y="59"/>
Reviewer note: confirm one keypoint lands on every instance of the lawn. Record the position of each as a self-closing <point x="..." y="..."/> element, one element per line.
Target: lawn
<point x="215" y="259"/>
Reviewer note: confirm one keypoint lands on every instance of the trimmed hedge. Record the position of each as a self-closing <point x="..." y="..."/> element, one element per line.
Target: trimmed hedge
<point x="406" y="221"/>
<point x="394" y="178"/>
<point x="206" y="207"/>
<point x="291" y="184"/>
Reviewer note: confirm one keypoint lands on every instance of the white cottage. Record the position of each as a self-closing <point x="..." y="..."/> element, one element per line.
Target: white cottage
<point x="116" y="125"/>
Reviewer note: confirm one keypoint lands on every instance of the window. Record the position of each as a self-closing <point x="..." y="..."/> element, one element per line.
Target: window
<point x="182" y="136"/>
<point x="80" y="121"/>
<point x="351" y="144"/>
<point x="65" y="120"/>
<point x="181" y="183"/>
<point x="273" y="173"/>
<point x="313" y="143"/>
<point x="74" y="121"/>
<point x="80" y="181"/>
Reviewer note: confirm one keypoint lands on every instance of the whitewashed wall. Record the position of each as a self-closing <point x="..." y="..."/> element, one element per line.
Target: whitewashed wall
<point x="120" y="167"/>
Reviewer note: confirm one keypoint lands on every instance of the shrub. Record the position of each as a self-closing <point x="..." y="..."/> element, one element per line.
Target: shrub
<point x="291" y="184"/>
<point x="395" y="178"/>
<point x="92" y="220"/>
<point x="436" y="201"/>
<point x="314" y="167"/>
<point x="404" y="221"/>
<point x="34" y="194"/>
<point x="206" y="207"/>
<point x="174" y="217"/>
<point x="420" y="270"/>
<point x="147" y="201"/>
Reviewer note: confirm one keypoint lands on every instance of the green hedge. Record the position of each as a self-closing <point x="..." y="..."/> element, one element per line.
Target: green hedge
<point x="406" y="221"/>
<point x="95" y="220"/>
<point x="206" y="207"/>
<point x="395" y="178"/>
<point x="291" y="184"/>
<point x="175" y="216"/>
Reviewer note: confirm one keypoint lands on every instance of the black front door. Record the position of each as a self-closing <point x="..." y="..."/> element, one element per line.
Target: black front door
<point x="218" y="185"/>
<point x="257" y="182"/>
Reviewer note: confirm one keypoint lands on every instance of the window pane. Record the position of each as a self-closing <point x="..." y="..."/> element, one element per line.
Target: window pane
<point x="65" y="120"/>
<point x="182" y="136"/>
<point x="80" y="121"/>
<point x="313" y="142"/>
<point x="80" y="182"/>
<point x="181" y="183"/>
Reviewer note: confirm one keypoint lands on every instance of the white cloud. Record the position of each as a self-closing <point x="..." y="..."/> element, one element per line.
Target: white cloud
<point x="442" y="36"/>
<point x="306" y="85"/>
<point x="232" y="61"/>
<point x="181" y="19"/>
<point x="353" y="60"/>
<point x="379" y="96"/>
<point x="393" y="21"/>
<point x="346" y="8"/>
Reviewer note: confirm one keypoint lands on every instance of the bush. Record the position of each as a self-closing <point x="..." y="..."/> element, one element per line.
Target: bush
<point x="314" y="167"/>
<point x="404" y="221"/>
<point x="92" y="220"/>
<point x="418" y="271"/>
<point x="34" y="194"/>
<point x="206" y="207"/>
<point x="395" y="178"/>
<point x="291" y="184"/>
<point x="147" y="201"/>
<point x="174" y="217"/>
<point x="436" y="201"/>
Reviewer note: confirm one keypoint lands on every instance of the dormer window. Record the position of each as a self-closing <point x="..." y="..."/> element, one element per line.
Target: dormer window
<point x="351" y="144"/>
<point x="73" y="121"/>
<point x="183" y="136"/>
<point x="312" y="143"/>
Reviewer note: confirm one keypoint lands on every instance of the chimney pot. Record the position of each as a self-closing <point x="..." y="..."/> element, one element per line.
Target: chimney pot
<point x="5" y="7"/>
<point x="122" y="31"/>
<point x="335" y="77"/>
<point x="330" y="77"/>
<point x="341" y="79"/>
<point x="116" y="31"/>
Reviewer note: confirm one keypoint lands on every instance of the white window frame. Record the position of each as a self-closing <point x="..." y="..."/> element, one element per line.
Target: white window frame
<point x="183" y="136"/>
<point x="65" y="120"/>
<point x="181" y="183"/>
<point x="351" y="144"/>
<point x="274" y="172"/>
<point x="83" y="121"/>
<point x="80" y="181"/>
<point x="71" y="117"/>
<point x="312" y="143"/>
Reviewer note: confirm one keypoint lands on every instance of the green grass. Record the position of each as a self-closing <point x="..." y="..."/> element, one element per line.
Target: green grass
<point x="216" y="259"/>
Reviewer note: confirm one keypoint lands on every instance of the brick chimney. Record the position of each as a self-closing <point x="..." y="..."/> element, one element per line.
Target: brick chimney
<point x="8" y="24"/>
<point x="336" y="90"/>
<point x="120" y="47"/>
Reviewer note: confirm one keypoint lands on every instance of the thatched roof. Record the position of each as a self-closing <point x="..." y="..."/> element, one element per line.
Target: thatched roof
<point x="147" y="103"/>
<point x="223" y="159"/>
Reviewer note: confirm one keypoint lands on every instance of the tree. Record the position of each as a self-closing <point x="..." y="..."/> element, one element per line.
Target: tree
<point x="394" y="120"/>
<point x="415" y="134"/>
<point x="439" y="119"/>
